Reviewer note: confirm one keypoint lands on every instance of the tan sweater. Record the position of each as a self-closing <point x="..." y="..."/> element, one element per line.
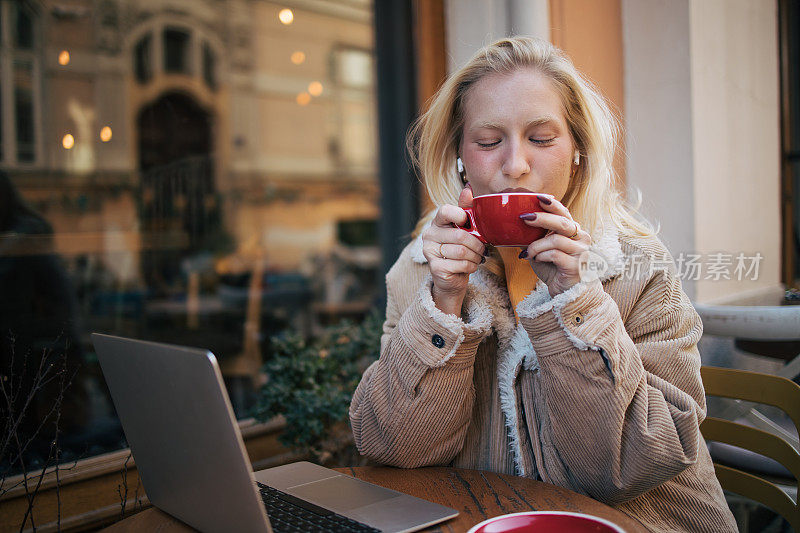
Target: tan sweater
<point x="597" y="390"/>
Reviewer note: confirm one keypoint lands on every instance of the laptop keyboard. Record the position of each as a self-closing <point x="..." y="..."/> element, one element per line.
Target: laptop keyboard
<point x="289" y="514"/>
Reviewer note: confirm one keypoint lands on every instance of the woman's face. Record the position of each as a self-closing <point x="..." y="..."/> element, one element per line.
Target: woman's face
<point x="515" y="135"/>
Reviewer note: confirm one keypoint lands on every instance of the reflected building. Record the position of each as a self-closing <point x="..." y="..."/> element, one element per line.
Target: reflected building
<point x="153" y="132"/>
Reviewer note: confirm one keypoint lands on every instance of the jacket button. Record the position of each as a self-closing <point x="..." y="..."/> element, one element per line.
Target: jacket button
<point x="437" y="340"/>
<point x="578" y="319"/>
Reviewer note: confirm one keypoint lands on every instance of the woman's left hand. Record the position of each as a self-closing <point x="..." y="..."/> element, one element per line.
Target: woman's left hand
<point x="555" y="258"/>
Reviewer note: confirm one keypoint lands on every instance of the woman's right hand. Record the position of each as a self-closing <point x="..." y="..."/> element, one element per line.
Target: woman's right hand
<point x="452" y="254"/>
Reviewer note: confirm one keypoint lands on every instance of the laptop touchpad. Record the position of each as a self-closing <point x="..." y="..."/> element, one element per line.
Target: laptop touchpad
<point x="342" y="493"/>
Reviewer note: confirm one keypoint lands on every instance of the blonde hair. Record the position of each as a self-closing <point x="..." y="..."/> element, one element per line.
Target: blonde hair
<point x="434" y="138"/>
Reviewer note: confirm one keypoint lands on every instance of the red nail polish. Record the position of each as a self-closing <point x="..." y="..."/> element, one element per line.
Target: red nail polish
<point x="523" y="254"/>
<point x="528" y="216"/>
<point x="544" y="199"/>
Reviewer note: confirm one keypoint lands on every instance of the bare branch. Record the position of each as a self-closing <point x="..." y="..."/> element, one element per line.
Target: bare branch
<point x="18" y="399"/>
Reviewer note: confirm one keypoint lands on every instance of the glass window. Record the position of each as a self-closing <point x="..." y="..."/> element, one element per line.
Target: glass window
<point x="354" y="68"/>
<point x="209" y="66"/>
<point x="143" y="59"/>
<point x="23" y="27"/>
<point x="20" y="90"/>
<point x="176" y="214"/>
<point x="356" y="147"/>
<point x="2" y="148"/>
<point x="23" y="110"/>
<point x="176" y="50"/>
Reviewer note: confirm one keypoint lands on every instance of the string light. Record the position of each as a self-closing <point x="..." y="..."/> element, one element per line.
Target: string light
<point x="303" y="98"/>
<point x="63" y="58"/>
<point x="105" y="134"/>
<point x="68" y="141"/>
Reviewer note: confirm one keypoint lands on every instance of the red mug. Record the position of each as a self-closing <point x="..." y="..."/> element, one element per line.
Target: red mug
<point x="546" y="522"/>
<point x="494" y="218"/>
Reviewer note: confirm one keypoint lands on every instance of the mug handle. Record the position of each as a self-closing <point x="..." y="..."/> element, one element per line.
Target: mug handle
<point x="470" y="227"/>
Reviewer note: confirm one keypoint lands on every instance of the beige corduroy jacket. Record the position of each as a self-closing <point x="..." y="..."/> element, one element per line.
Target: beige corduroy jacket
<point x="597" y="390"/>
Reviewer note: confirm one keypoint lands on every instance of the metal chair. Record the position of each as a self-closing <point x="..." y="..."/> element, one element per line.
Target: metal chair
<point x="764" y="389"/>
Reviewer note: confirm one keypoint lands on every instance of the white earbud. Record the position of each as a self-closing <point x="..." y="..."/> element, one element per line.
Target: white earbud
<point x="459" y="165"/>
<point x="577" y="159"/>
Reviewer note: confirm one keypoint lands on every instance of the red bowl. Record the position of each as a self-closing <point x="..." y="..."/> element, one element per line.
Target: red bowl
<point x="546" y="521"/>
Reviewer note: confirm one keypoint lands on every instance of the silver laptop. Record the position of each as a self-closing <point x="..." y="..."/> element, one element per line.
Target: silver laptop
<point x="192" y="461"/>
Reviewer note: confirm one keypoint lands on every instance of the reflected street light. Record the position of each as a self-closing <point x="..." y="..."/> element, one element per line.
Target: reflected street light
<point x="286" y="16"/>
<point x="315" y="88"/>
<point x="298" y="57"/>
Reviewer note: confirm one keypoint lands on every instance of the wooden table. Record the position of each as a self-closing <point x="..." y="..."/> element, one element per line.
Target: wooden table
<point x="476" y="495"/>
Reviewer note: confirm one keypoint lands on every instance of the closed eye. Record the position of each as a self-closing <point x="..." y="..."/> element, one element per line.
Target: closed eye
<point x="542" y="141"/>
<point x="487" y="145"/>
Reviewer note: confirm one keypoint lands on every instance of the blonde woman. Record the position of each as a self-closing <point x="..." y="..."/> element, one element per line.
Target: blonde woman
<point x="509" y="361"/>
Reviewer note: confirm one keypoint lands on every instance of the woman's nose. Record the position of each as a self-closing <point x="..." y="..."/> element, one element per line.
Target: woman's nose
<point x="516" y="163"/>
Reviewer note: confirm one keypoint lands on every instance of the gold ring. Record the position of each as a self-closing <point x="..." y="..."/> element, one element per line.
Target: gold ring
<point x="577" y="229"/>
<point x="441" y="253"/>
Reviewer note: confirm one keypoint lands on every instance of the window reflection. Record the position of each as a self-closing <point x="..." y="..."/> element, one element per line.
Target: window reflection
<point x="23" y="110"/>
<point x="209" y="66"/>
<point x="19" y="83"/>
<point x="2" y="113"/>
<point x="176" y="50"/>
<point x="23" y="27"/>
<point x="221" y="210"/>
<point x="143" y="66"/>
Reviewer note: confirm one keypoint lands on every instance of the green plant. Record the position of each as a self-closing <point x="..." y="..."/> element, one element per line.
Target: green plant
<point x="311" y="382"/>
